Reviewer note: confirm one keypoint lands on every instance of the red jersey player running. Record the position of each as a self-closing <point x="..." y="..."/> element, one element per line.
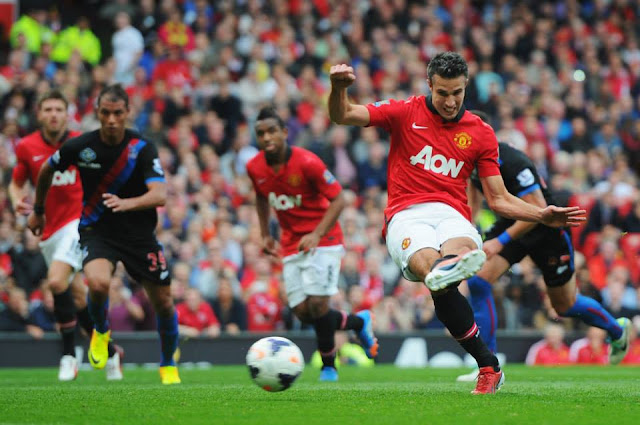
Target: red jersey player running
<point x="59" y="243"/>
<point x="435" y="145"/>
<point x="308" y="200"/>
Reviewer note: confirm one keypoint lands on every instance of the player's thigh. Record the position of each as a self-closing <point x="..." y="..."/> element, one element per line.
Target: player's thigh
<point x="95" y="247"/>
<point x="552" y="251"/>
<point x="493" y="268"/>
<point x="160" y="297"/>
<point x="409" y="233"/>
<point x="98" y="272"/>
<point x="64" y="247"/>
<point x="455" y="233"/>
<point x="145" y="261"/>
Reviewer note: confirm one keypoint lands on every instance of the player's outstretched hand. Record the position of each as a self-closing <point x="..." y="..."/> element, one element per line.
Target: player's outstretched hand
<point x="308" y="242"/>
<point x="35" y="223"/>
<point x="270" y="247"/>
<point x="24" y="207"/>
<point x="553" y="216"/>
<point x="117" y="204"/>
<point x="492" y="247"/>
<point x="341" y="76"/>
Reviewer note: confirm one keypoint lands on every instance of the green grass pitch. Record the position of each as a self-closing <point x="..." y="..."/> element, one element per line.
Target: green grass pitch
<point x="380" y="395"/>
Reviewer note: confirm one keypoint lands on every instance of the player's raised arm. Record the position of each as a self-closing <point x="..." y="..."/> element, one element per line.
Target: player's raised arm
<point x="341" y="111"/>
<point x="518" y="229"/>
<point x="510" y="206"/>
<point x="35" y="222"/>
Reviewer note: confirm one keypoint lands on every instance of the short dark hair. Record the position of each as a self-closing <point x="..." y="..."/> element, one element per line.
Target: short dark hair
<point x="483" y="115"/>
<point x="114" y="93"/>
<point x="270" y="112"/>
<point x="447" y="65"/>
<point x="53" y="94"/>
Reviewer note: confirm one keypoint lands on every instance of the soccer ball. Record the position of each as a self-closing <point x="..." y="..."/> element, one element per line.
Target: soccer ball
<point x="274" y="363"/>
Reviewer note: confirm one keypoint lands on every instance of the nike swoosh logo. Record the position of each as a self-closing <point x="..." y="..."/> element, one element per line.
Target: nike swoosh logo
<point x="260" y="181"/>
<point x="561" y="269"/>
<point x="93" y="359"/>
<point x="418" y="127"/>
<point x="38" y="157"/>
<point x="164" y="274"/>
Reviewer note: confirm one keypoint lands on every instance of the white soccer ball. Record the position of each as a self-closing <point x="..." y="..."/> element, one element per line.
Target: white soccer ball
<point x="274" y="363"/>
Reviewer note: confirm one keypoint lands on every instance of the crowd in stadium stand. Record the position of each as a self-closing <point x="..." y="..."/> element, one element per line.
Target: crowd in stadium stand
<point x="559" y="79"/>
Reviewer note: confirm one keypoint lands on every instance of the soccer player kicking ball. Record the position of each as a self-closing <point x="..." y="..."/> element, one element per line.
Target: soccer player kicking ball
<point x="435" y="146"/>
<point x="307" y="200"/>
<point x="508" y="242"/>
<point x="123" y="183"/>
<point x="59" y="243"/>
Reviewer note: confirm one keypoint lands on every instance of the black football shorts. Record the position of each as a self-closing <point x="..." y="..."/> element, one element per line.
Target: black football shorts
<point x="143" y="260"/>
<point x="549" y="248"/>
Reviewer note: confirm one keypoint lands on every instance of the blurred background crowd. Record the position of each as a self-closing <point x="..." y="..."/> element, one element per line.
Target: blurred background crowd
<point x="559" y="79"/>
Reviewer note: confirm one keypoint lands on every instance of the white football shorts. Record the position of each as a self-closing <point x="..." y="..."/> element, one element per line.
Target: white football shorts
<point x="313" y="273"/>
<point x="426" y="225"/>
<point x="64" y="246"/>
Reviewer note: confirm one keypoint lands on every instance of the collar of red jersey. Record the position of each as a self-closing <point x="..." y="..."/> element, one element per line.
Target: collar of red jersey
<point x="62" y="139"/>
<point x="435" y="112"/>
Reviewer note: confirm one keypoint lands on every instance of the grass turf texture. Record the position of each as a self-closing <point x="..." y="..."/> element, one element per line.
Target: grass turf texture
<point x="380" y="395"/>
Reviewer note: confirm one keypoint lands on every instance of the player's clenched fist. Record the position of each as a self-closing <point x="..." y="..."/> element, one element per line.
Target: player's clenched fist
<point x="341" y="75"/>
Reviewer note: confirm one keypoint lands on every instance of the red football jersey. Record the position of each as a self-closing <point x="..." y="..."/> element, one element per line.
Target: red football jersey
<point x="430" y="160"/>
<point x="201" y="319"/>
<point x="64" y="200"/>
<point x="300" y="193"/>
<point x="543" y="354"/>
<point x="633" y="356"/>
<point x="582" y="352"/>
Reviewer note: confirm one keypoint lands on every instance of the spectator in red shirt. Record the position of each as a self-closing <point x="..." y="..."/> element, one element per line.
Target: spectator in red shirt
<point x="601" y="264"/>
<point x="174" y="70"/>
<point x="551" y="351"/>
<point x="590" y="350"/>
<point x="633" y="356"/>
<point x="195" y="316"/>
<point x="264" y="311"/>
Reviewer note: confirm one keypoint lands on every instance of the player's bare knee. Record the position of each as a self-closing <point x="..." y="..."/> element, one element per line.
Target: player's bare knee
<point x="99" y="284"/>
<point x="421" y="262"/>
<point x="57" y="286"/>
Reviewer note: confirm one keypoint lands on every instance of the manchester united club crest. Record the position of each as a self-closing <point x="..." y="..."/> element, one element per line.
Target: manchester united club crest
<point x="294" y="180"/>
<point x="405" y="243"/>
<point x="463" y="140"/>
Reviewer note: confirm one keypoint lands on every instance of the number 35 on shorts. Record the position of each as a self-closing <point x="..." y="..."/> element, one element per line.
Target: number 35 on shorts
<point x="157" y="261"/>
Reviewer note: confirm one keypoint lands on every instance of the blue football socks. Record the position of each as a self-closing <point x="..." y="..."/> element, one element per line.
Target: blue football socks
<point x="592" y="313"/>
<point x="98" y="311"/>
<point x="484" y="310"/>
<point x="168" y="331"/>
